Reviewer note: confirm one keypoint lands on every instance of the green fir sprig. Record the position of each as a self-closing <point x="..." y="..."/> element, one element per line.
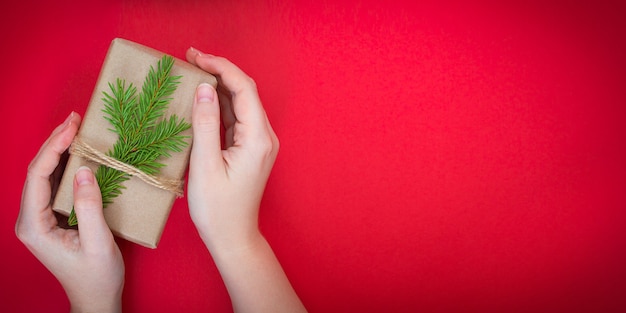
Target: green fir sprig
<point x="144" y="135"/>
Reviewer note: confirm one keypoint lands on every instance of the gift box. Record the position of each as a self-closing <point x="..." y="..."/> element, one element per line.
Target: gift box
<point x="140" y="212"/>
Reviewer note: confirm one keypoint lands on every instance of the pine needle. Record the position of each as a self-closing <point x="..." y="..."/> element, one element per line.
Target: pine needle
<point x="144" y="135"/>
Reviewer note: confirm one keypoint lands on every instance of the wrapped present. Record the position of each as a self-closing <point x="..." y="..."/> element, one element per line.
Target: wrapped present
<point x="135" y="136"/>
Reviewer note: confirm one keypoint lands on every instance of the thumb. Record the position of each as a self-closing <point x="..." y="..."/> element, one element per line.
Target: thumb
<point x="93" y="230"/>
<point x="206" y="152"/>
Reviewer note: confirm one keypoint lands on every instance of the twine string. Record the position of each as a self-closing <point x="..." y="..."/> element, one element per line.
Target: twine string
<point x="84" y="150"/>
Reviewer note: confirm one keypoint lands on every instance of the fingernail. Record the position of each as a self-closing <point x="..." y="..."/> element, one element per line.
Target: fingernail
<point x="195" y="51"/>
<point x="84" y="176"/>
<point x="205" y="93"/>
<point x="68" y="120"/>
<point x="200" y="53"/>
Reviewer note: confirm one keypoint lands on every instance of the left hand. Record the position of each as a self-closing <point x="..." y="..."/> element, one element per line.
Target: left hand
<point x="87" y="262"/>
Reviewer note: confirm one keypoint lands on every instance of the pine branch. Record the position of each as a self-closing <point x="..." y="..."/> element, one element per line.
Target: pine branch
<point x="144" y="136"/>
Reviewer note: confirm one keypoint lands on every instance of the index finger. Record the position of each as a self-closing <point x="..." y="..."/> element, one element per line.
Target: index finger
<point x="37" y="189"/>
<point x="246" y="102"/>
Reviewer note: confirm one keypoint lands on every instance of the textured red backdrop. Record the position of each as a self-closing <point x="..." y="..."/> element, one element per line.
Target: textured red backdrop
<point x="434" y="157"/>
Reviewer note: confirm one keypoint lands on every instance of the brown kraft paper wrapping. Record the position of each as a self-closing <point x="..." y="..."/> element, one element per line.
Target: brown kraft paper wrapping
<point x="139" y="214"/>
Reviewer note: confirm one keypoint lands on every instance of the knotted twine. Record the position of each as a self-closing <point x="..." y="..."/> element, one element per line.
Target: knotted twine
<point x="84" y="150"/>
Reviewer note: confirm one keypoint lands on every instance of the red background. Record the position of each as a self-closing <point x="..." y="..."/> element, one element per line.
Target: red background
<point x="434" y="157"/>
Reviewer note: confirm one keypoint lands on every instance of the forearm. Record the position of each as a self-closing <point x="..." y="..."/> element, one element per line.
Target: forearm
<point x="254" y="278"/>
<point x="226" y="187"/>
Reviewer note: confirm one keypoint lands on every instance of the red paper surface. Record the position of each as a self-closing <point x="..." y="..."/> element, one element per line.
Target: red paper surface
<point x="434" y="157"/>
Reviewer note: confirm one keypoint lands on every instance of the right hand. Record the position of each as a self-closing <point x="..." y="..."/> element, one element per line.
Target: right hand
<point x="226" y="186"/>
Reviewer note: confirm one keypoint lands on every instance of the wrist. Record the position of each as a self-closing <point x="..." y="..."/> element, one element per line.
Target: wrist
<point x="96" y="306"/>
<point x="232" y="242"/>
<point x="218" y="235"/>
<point x="102" y="302"/>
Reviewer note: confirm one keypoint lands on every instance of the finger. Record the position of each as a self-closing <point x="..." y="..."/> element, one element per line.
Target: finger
<point x="252" y="126"/>
<point x="206" y="153"/>
<point x="48" y="156"/>
<point x="226" y="108"/>
<point x="228" y="74"/>
<point x="228" y="118"/>
<point x="191" y="55"/>
<point x="245" y="99"/>
<point x="92" y="228"/>
<point x="226" y="111"/>
<point x="37" y="189"/>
